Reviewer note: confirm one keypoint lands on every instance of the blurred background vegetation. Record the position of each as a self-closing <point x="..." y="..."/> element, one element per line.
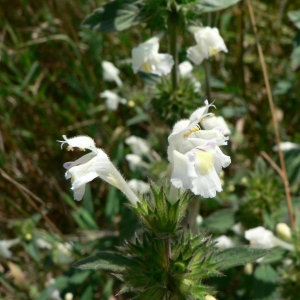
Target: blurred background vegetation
<point x="50" y="80"/>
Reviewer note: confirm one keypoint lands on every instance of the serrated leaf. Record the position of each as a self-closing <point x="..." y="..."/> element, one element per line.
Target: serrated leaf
<point x="214" y="5"/>
<point x="276" y="254"/>
<point x="106" y="260"/>
<point x="294" y="16"/>
<point x="232" y="257"/>
<point x="114" y="16"/>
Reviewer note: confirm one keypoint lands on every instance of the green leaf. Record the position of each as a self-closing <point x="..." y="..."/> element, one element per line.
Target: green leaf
<point x="276" y="254"/>
<point x="106" y="260"/>
<point x="114" y="16"/>
<point x="232" y="257"/>
<point x="88" y="293"/>
<point x="214" y="5"/>
<point x="149" y="78"/>
<point x="294" y="16"/>
<point x="112" y="204"/>
<point x="295" y="58"/>
<point x="282" y="87"/>
<point x="79" y="277"/>
<point x="221" y="220"/>
<point x="265" y="283"/>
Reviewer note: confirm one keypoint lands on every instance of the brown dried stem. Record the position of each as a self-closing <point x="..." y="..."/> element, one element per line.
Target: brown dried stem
<point x="275" y="124"/>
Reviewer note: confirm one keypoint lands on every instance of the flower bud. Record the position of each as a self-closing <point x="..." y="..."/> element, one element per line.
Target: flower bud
<point x="209" y="297"/>
<point x="248" y="268"/>
<point x="284" y="231"/>
<point x="69" y="296"/>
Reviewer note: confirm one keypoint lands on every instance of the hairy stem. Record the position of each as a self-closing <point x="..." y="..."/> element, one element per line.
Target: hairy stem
<point x="275" y="124"/>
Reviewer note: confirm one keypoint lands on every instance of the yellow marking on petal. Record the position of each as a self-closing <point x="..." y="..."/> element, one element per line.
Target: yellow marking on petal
<point x="112" y="180"/>
<point x="193" y="129"/>
<point x="82" y="149"/>
<point x="72" y="178"/>
<point x="213" y="51"/>
<point x="146" y="67"/>
<point x="206" y="163"/>
<point x="70" y="149"/>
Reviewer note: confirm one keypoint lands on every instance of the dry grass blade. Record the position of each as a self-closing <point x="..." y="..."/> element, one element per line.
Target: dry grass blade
<point x="275" y="124"/>
<point x="26" y="193"/>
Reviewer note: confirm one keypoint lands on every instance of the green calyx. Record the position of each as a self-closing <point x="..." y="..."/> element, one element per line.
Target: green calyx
<point x="158" y="215"/>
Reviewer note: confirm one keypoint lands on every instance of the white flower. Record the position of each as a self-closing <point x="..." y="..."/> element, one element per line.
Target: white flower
<point x="237" y="228"/>
<point x="146" y="58"/>
<point x="195" y="155"/>
<point x="138" y="145"/>
<point x="92" y="165"/>
<point x="285" y="146"/>
<point x="216" y="122"/>
<point x="5" y="246"/>
<point x="185" y="70"/>
<point x="53" y="293"/>
<point x="260" y="237"/>
<point x="111" y="73"/>
<point x="112" y="99"/>
<point x="209" y="43"/>
<point x="139" y="186"/>
<point x="223" y="242"/>
<point x="43" y="244"/>
<point x="136" y="162"/>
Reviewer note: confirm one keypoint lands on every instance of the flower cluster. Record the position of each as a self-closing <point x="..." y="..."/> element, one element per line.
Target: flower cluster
<point x="195" y="155"/>
<point x="146" y="58"/>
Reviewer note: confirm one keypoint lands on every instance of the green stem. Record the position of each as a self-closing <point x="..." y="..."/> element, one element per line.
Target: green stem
<point x="207" y="75"/>
<point x="167" y="251"/>
<point x="193" y="214"/>
<point x="173" y="33"/>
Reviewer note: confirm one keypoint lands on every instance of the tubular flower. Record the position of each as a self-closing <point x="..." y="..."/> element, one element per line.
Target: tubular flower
<point x="111" y="73"/>
<point x="146" y="58"/>
<point x="195" y="155"/>
<point x="92" y="165"/>
<point x="261" y="237"/>
<point x="112" y="99"/>
<point x="209" y="43"/>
